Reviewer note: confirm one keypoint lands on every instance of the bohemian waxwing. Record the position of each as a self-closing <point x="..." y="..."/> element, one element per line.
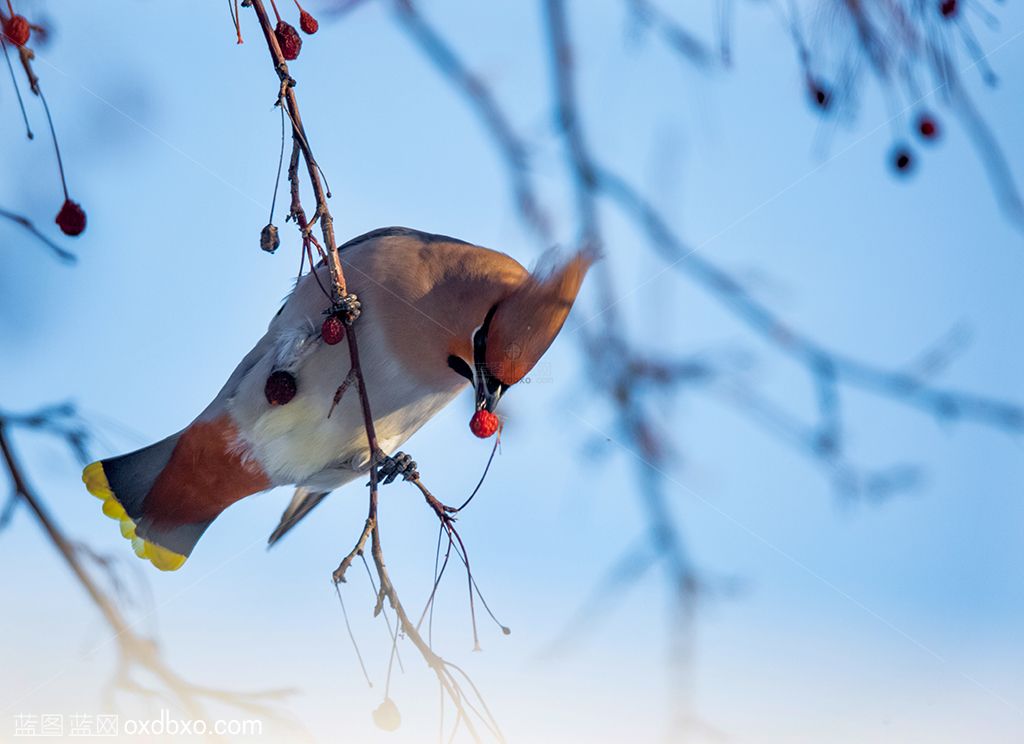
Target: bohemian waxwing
<point x="438" y="314"/>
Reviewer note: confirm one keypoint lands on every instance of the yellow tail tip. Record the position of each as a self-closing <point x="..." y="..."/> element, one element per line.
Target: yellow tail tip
<point x="96" y="482"/>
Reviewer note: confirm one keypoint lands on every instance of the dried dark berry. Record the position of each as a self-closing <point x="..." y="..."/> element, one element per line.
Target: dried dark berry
<point x="280" y="388"/>
<point x="71" y="218"/>
<point x="269" y="239"/>
<point x="288" y="39"/>
<point x="821" y="95"/>
<point x="902" y="160"/>
<point x="308" y="23"/>
<point x="333" y="330"/>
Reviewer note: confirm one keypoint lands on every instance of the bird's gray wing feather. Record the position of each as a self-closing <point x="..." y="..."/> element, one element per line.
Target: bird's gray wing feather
<point x="302" y="503"/>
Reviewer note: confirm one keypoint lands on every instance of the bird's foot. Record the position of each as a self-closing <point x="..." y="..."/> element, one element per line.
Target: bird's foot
<point x="390" y="467"/>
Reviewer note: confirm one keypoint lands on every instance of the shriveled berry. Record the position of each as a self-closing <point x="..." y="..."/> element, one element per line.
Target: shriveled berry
<point x="948" y="8"/>
<point x="333" y="330"/>
<point x="288" y="39"/>
<point x="308" y="23"/>
<point x="821" y="95"/>
<point x="280" y="388"/>
<point x="17" y="30"/>
<point x="483" y="424"/>
<point x="269" y="239"/>
<point x="902" y="160"/>
<point x="927" y="126"/>
<point x="386" y="716"/>
<point x="71" y="218"/>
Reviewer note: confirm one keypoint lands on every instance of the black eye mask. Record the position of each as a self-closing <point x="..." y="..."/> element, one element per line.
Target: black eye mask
<point x="479" y="374"/>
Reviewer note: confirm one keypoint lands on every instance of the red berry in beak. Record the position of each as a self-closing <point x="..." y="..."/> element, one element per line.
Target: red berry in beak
<point x="333" y="330"/>
<point x="484" y="424"/>
<point x="280" y="388"/>
<point x="17" y="30"/>
<point x="288" y="39"/>
<point x="71" y="218"/>
<point x="308" y="23"/>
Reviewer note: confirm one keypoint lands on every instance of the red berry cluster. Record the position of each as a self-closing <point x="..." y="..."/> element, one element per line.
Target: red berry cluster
<point x="287" y="37"/>
<point x="17" y="30"/>
<point x="484" y="424"/>
<point x="926" y="126"/>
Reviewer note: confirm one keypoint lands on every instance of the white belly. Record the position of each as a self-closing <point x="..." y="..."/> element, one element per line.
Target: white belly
<point x="298" y="442"/>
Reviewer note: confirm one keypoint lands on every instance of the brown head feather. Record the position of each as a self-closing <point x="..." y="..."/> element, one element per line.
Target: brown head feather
<point x="527" y="321"/>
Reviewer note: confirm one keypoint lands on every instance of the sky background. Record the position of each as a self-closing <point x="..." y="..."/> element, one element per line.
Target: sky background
<point x="898" y="621"/>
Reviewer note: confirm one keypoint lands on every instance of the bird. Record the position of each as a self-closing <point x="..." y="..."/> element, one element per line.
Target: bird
<point x="436" y="315"/>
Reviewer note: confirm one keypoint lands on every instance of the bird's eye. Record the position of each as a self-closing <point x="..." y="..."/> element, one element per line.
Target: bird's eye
<point x="460" y="366"/>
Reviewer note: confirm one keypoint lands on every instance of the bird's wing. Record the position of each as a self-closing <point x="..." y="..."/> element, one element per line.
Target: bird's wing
<point x="303" y="502"/>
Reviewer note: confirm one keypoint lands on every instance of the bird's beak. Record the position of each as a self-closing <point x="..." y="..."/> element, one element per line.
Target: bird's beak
<point x="487" y="396"/>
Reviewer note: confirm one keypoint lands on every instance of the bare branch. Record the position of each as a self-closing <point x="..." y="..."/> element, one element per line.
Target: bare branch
<point x="24" y="222"/>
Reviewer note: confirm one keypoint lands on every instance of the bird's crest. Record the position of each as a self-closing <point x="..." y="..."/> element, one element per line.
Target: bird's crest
<point x="527" y="320"/>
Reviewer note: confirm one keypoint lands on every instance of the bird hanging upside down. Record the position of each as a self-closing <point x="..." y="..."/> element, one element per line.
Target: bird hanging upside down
<point x="437" y="314"/>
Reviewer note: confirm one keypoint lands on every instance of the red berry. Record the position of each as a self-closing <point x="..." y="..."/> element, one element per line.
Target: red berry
<point x="288" y="39"/>
<point x="928" y="127"/>
<point x="308" y="23"/>
<point x="483" y="424"/>
<point x="71" y="218"/>
<point x="948" y="8"/>
<point x="280" y="388"/>
<point x="17" y="30"/>
<point x="333" y="330"/>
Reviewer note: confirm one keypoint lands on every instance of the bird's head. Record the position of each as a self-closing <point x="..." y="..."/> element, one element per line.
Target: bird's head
<point x="516" y="331"/>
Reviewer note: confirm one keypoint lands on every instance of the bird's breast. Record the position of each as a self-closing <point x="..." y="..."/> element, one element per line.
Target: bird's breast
<point x="312" y="433"/>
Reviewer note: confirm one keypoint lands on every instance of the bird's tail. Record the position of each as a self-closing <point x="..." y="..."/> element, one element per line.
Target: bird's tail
<point x="167" y="494"/>
<point x="123" y="484"/>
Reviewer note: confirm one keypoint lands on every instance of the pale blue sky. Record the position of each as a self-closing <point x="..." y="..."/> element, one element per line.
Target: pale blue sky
<point x="885" y="622"/>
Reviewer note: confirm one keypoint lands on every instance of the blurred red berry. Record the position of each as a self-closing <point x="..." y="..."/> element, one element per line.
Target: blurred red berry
<point x="483" y="424"/>
<point x="308" y="23"/>
<point x="333" y="330"/>
<point x="71" y="218"/>
<point x="280" y="388"/>
<point x="17" y="30"/>
<point x="948" y="8"/>
<point x="927" y="126"/>
<point x="288" y="39"/>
